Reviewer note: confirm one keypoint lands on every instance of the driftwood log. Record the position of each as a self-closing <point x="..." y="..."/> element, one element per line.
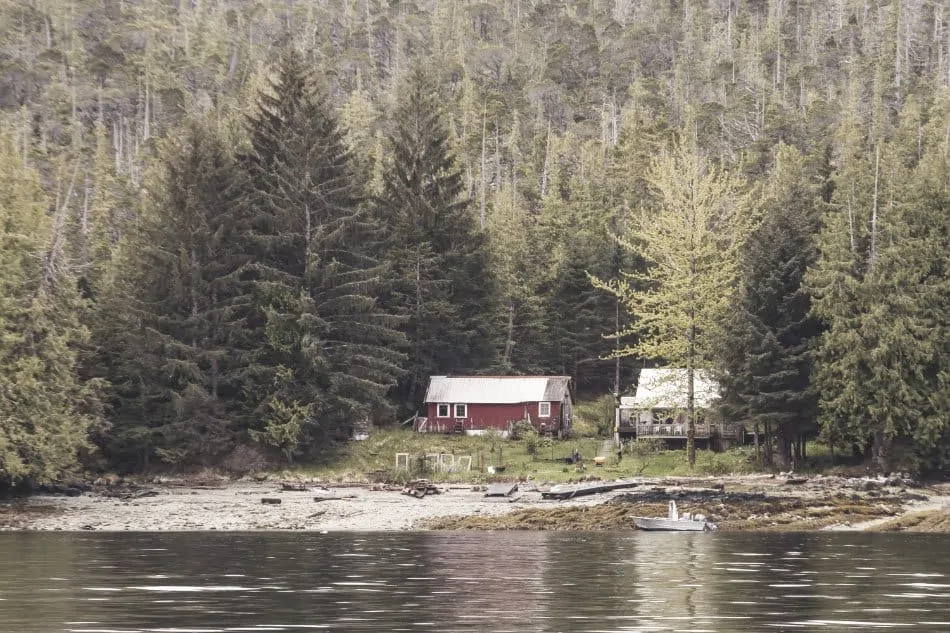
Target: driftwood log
<point x="420" y="488"/>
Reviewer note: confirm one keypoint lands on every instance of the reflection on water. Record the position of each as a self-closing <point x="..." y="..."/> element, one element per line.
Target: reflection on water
<point x="557" y="582"/>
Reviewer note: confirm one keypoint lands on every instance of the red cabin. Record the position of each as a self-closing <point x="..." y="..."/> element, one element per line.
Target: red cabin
<point x="476" y="403"/>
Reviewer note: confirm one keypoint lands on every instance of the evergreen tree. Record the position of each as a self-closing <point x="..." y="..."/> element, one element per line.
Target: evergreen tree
<point x="880" y="287"/>
<point x="326" y="353"/>
<point x="767" y="346"/>
<point x="580" y="317"/>
<point x="519" y="270"/>
<point x="46" y="412"/>
<point x="176" y="313"/>
<point x="444" y="286"/>
<point x="922" y="284"/>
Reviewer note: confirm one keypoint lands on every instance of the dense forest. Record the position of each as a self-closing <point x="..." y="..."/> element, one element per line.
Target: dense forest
<point x="255" y="223"/>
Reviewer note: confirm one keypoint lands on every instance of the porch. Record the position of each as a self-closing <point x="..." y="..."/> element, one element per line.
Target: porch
<point x="672" y="425"/>
<point x="704" y="430"/>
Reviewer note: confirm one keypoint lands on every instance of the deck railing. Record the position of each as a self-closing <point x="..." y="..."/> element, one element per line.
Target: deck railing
<point x="703" y="430"/>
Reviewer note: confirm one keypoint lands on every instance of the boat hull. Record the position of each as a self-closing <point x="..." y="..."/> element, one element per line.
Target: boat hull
<point x="671" y="525"/>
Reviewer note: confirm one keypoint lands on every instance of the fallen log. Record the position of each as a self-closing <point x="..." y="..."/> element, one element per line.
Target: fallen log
<point x="567" y="491"/>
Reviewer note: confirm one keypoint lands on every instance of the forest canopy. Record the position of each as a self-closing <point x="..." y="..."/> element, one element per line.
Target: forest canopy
<point x="260" y="222"/>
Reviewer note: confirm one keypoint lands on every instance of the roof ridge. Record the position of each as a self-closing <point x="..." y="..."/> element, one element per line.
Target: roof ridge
<point x="469" y="376"/>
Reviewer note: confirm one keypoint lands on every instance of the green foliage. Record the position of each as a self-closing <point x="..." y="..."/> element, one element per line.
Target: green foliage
<point x="435" y="246"/>
<point x="767" y="348"/>
<point x="691" y="242"/>
<point x="536" y="136"/>
<point x="46" y="411"/>
<point x="283" y="427"/>
<point x="880" y="285"/>
<point x="595" y="417"/>
<point x="312" y="271"/>
<point x="522" y="429"/>
<point x="169" y="322"/>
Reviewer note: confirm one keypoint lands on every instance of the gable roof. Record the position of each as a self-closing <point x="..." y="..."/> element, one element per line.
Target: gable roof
<point x="665" y="388"/>
<point x="497" y="389"/>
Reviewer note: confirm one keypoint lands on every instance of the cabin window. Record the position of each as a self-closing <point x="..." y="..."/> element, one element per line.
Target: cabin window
<point x="461" y="410"/>
<point x="442" y="411"/>
<point x="544" y="409"/>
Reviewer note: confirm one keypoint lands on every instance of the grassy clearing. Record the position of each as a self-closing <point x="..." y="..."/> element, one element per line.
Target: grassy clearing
<point x="539" y="459"/>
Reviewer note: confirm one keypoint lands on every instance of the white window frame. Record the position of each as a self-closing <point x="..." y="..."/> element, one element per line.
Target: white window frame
<point x="455" y="410"/>
<point x="448" y="410"/>
<point x="541" y="410"/>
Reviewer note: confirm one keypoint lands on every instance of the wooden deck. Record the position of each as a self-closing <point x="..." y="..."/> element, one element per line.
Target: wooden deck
<point x="666" y="431"/>
<point x="704" y="431"/>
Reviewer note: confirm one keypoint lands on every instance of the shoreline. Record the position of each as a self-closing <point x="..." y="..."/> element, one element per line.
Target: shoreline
<point x="738" y="503"/>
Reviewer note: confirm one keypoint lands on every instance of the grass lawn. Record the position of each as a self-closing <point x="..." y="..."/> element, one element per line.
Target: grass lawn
<point x="540" y="459"/>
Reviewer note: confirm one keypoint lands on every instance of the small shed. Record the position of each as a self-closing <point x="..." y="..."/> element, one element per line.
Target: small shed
<point x="658" y="409"/>
<point x="477" y="403"/>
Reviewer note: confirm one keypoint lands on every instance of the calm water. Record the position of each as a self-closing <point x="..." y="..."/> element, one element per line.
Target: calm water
<point x="567" y="582"/>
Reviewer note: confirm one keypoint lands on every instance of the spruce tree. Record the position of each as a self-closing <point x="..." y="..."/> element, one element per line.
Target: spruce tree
<point x="767" y="347"/>
<point x="582" y="317"/>
<point x="177" y="313"/>
<point x="326" y="353"/>
<point x="880" y="287"/>
<point x="836" y="284"/>
<point x="46" y="411"/>
<point x="921" y="271"/>
<point x="443" y="284"/>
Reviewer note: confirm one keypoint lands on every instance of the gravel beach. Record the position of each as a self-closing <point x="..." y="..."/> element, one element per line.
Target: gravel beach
<point x="743" y="503"/>
<point x="238" y="507"/>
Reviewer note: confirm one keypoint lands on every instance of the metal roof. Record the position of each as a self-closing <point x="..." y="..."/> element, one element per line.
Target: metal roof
<point x="497" y="389"/>
<point x="665" y="388"/>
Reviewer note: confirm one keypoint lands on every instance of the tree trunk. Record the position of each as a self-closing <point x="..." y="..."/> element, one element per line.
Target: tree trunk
<point x="755" y="440"/>
<point x="768" y="457"/>
<point x="881" y="451"/>
<point x="784" y="442"/>
<point x="616" y="351"/>
<point x="872" y="249"/>
<point x="691" y="367"/>
<point x="509" y="334"/>
<point x="690" y="414"/>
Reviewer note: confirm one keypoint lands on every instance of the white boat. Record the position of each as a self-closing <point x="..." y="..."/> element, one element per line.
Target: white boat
<point x="673" y="522"/>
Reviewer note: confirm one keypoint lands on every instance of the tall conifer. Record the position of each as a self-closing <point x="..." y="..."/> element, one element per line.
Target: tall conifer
<point x="691" y="244"/>
<point x="46" y="411"/>
<point x="328" y="354"/>
<point x="771" y="335"/>
<point x="443" y="282"/>
<point x="177" y="313"/>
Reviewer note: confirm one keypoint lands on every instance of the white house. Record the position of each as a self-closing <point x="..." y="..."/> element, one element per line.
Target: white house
<point x="658" y="409"/>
